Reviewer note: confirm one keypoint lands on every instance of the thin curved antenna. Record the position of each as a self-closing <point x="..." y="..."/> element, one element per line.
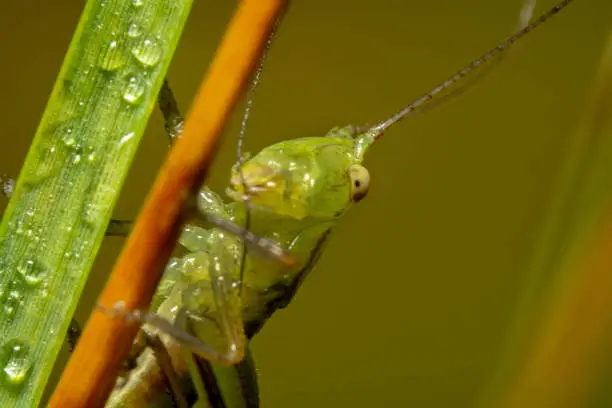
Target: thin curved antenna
<point x="239" y="147"/>
<point x="525" y="15"/>
<point x="377" y="130"/>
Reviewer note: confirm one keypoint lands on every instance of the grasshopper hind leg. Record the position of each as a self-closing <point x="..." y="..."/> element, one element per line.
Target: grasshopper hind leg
<point x="227" y="311"/>
<point x="233" y="386"/>
<point x="172" y="379"/>
<point x="218" y="298"/>
<point x="201" y="371"/>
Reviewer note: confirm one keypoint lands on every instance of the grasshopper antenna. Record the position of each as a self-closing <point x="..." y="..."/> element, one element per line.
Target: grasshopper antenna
<point x="418" y="105"/>
<point x="239" y="147"/>
<point x="525" y="17"/>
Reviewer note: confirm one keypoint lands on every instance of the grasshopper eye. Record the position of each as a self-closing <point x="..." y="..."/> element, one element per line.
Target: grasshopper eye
<point x="360" y="182"/>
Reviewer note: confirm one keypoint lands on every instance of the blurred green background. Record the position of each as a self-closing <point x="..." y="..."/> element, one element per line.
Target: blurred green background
<point x="414" y="298"/>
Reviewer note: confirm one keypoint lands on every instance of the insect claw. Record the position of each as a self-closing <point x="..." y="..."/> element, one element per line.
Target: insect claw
<point x="119" y="311"/>
<point x="119" y="306"/>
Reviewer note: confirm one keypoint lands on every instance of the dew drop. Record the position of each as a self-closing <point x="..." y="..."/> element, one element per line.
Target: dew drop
<point x="20" y="229"/>
<point x="112" y="59"/>
<point x="134" y="90"/>
<point x="126" y="138"/>
<point x="148" y="52"/>
<point x="44" y="292"/>
<point x="69" y="139"/>
<point x="134" y="30"/>
<point x="32" y="271"/>
<point x="9" y="310"/>
<point x="50" y="161"/>
<point x="11" y="299"/>
<point x="15" y="362"/>
<point x="91" y="213"/>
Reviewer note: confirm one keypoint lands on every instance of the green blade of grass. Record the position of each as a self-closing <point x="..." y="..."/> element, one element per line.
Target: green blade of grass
<point x="71" y="178"/>
<point x="552" y="354"/>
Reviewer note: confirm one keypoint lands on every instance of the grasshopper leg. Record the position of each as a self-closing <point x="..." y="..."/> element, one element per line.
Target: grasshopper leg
<point x="222" y="386"/>
<point x="201" y="371"/>
<point x="226" y="297"/>
<point x="225" y="289"/>
<point x="165" y="363"/>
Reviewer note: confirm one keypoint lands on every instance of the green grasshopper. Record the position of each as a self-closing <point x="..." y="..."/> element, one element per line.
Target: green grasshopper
<point x="218" y="295"/>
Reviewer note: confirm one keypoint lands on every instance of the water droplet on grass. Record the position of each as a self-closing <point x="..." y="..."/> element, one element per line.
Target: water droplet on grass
<point x="15" y="362"/>
<point x="148" y="52"/>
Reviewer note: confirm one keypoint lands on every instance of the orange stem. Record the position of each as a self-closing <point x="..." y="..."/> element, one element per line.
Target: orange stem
<point x="90" y="374"/>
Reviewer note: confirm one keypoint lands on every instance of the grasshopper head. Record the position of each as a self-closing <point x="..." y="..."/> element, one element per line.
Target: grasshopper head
<point x="318" y="177"/>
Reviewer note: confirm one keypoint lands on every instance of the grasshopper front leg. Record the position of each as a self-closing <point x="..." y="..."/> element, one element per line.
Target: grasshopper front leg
<point x="221" y="319"/>
<point x="227" y="316"/>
